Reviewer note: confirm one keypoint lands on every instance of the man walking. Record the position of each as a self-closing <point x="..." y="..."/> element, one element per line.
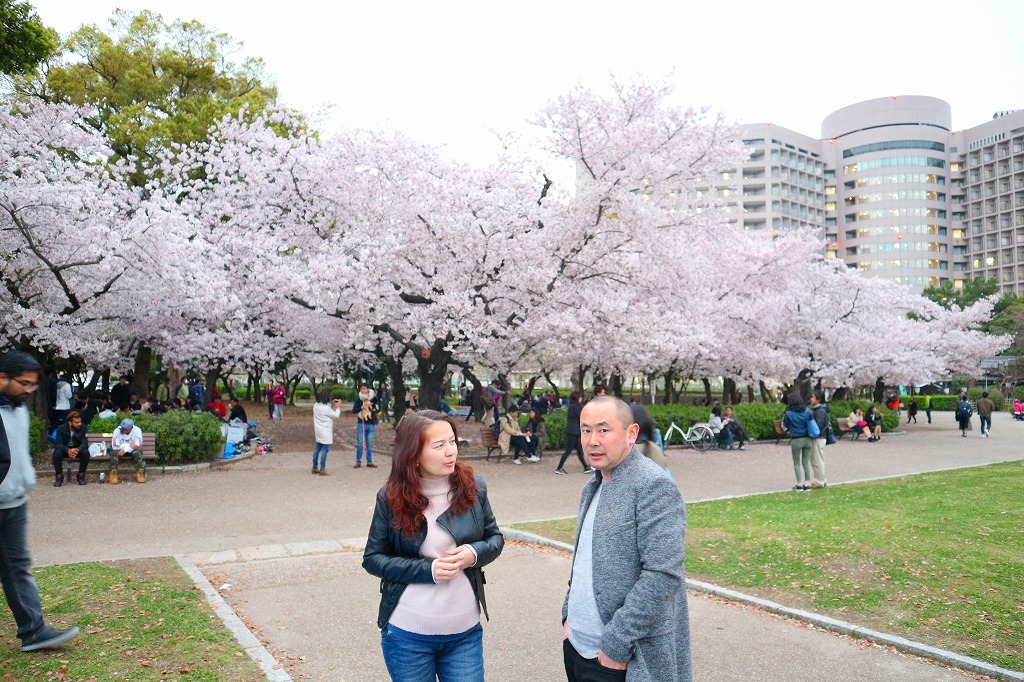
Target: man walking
<point x="19" y="376"/>
<point x="985" y="409"/>
<point x="626" y="606"/>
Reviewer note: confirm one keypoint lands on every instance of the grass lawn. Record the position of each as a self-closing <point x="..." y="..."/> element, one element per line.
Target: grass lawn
<point x="140" y="620"/>
<point x="937" y="558"/>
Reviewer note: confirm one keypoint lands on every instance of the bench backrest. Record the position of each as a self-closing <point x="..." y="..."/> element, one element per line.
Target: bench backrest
<point x="843" y="423"/>
<point x="148" y="441"/>
<point x="487" y="436"/>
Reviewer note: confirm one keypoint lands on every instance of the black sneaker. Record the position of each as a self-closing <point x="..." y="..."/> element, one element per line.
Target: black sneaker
<point x="49" y="637"/>
<point x="561" y="472"/>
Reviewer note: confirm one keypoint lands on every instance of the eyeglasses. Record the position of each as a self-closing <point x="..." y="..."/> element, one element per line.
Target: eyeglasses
<point x="27" y="385"/>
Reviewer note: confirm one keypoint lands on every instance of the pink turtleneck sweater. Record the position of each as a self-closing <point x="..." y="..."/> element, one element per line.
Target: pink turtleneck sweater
<point x="437" y="609"/>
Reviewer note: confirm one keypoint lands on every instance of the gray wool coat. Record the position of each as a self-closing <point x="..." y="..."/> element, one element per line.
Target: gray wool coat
<point x="639" y="578"/>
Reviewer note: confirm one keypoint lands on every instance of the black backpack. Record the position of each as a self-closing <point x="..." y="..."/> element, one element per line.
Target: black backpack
<point x="964" y="411"/>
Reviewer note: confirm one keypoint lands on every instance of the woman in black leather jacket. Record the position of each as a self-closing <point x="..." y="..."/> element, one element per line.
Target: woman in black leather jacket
<point x="432" y="532"/>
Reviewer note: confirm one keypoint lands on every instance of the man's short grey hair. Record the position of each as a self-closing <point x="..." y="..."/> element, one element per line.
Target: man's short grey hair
<point x="622" y="410"/>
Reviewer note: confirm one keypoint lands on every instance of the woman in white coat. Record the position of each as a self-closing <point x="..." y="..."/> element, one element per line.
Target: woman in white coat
<point x="325" y="411"/>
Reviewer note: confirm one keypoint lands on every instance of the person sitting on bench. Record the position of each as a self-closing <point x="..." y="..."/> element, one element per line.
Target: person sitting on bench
<point x="71" y="443"/>
<point x="127" y="442"/>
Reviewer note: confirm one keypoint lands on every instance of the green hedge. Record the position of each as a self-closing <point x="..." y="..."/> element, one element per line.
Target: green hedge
<point x="756" y="418"/>
<point x="36" y="434"/>
<point x="181" y="436"/>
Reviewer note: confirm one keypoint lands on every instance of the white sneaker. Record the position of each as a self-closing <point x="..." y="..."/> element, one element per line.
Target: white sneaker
<point x="533" y="458"/>
<point x="516" y="461"/>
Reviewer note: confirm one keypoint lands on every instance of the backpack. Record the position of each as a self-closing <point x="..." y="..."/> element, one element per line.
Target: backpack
<point x="964" y="411"/>
<point x="496" y="429"/>
<point x="486" y="401"/>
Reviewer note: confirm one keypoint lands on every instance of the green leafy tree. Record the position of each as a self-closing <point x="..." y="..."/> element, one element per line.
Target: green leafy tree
<point x="973" y="291"/>
<point x="151" y="84"/>
<point x="24" y="40"/>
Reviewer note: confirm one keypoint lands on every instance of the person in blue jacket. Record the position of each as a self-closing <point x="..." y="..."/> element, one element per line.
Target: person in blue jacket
<point x="801" y="445"/>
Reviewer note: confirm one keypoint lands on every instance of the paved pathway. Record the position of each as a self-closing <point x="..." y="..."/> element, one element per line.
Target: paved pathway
<point x="286" y="542"/>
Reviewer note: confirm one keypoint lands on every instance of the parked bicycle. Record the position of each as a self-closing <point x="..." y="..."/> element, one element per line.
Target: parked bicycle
<point x="699" y="436"/>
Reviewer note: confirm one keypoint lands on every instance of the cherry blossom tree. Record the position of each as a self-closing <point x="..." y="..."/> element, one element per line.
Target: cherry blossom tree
<point x="71" y="235"/>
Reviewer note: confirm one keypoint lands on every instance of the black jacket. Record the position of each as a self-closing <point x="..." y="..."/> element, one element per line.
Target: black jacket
<point x="67" y="439"/>
<point x="572" y="418"/>
<point x="396" y="560"/>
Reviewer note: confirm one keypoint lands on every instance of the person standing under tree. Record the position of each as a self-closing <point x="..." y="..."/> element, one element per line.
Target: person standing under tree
<point x="325" y="411"/>
<point x="19" y="377"/>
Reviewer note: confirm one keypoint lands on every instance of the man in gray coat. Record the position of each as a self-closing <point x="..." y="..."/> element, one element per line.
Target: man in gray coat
<point x="625" y="616"/>
<point x="19" y="377"/>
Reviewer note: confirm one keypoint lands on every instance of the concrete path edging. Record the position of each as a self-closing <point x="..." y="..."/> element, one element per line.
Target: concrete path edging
<point x="270" y="666"/>
<point x="824" y="622"/>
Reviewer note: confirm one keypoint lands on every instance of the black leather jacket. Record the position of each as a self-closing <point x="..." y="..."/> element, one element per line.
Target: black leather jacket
<point x="396" y="560"/>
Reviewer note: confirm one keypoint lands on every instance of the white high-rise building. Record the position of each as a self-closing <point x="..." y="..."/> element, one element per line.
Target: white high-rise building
<point x="896" y="192"/>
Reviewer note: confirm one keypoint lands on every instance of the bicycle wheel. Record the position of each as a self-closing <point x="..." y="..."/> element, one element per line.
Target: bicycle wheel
<point x="705" y="438"/>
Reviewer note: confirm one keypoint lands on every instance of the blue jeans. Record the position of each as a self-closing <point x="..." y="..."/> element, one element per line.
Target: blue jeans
<point x="986" y="423"/>
<point x="425" y="658"/>
<point x="364" y="431"/>
<point x="321" y="449"/>
<point x="16" y="572"/>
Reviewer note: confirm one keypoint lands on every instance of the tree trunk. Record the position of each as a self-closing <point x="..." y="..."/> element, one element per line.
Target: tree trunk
<point x="210" y="382"/>
<point x="803" y="384"/>
<point x="671" y="393"/>
<point x="432" y="367"/>
<point x="578" y="377"/>
<point x="506" y="399"/>
<point x="90" y="389"/>
<point x="879" y="392"/>
<point x="294" y="381"/>
<point x="226" y="380"/>
<point x="728" y="391"/>
<point x="252" y="384"/>
<point x="707" y="390"/>
<point x="841" y="393"/>
<point x="766" y="395"/>
<point x="615" y="385"/>
<point x="531" y="384"/>
<point x="547" y="378"/>
<point x="139" y="384"/>
<point x="750" y="392"/>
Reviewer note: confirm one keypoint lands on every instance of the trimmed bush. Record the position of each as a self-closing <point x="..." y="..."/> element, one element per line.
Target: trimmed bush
<point x="757" y="418"/>
<point x="36" y="434"/>
<point x="181" y="436"/>
<point x="555" y="424"/>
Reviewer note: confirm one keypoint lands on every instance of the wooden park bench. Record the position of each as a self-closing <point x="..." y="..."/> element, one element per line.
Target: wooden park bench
<point x="845" y="428"/>
<point x="489" y="442"/>
<point x="148" y="447"/>
<point x="780" y="432"/>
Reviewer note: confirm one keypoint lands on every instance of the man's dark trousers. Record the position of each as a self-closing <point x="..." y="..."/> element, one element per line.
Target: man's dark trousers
<point x="15" y="572"/>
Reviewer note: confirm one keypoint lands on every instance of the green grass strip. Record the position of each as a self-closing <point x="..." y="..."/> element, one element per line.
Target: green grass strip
<point x="140" y="620"/>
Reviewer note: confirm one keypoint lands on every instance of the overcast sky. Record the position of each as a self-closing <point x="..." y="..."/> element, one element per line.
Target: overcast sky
<point x="446" y="72"/>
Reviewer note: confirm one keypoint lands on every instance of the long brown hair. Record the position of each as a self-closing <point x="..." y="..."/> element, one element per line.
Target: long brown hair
<point x="403" y="492"/>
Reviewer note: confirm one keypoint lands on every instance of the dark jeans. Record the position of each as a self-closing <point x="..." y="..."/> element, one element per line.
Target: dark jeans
<point x="579" y="669"/>
<point x="986" y="423"/>
<point x="519" y="444"/>
<point x="16" y="572"/>
<point x="572" y="440"/>
<point x="83" y="460"/>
